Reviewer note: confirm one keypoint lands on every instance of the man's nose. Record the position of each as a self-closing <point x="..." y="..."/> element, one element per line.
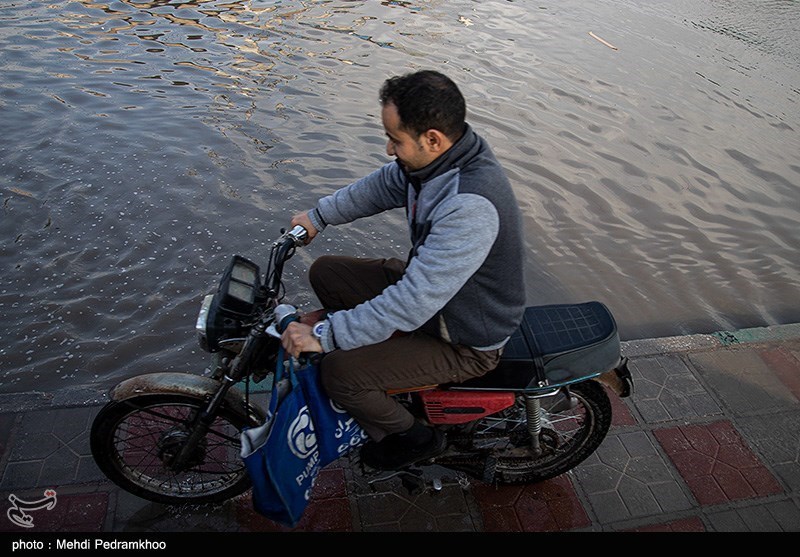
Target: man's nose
<point x="390" y="148"/>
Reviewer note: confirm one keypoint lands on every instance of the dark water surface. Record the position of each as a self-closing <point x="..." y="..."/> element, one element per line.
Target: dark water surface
<point x="142" y="143"/>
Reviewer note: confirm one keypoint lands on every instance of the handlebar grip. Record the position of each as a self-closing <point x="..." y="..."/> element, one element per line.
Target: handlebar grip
<point x="285" y="314"/>
<point x="299" y="234"/>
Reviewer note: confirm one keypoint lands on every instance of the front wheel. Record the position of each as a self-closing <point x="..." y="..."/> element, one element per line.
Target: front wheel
<point x="568" y="436"/>
<point x="134" y="441"/>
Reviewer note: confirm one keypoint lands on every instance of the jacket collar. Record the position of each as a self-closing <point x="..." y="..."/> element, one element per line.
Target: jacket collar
<point x="465" y="148"/>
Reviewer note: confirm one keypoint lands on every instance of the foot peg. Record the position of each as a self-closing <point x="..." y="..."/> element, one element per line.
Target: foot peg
<point x="411" y="479"/>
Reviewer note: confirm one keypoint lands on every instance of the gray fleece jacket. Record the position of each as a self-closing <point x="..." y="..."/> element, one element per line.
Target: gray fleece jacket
<point x="464" y="277"/>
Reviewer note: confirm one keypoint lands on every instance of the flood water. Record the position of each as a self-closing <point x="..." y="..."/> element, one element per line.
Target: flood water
<point x="653" y="147"/>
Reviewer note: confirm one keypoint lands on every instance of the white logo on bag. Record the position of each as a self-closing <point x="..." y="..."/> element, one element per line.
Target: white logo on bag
<point x="344" y="426"/>
<point x="301" y="437"/>
<point x="356" y="438"/>
<point x="336" y="408"/>
<point x="347" y="429"/>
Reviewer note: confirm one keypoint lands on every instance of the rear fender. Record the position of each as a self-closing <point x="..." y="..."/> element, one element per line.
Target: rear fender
<point x="194" y="386"/>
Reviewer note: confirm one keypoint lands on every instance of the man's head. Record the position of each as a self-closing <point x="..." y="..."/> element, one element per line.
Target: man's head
<point x="423" y="115"/>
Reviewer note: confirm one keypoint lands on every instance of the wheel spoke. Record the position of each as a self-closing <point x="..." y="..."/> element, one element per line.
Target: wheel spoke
<point x="151" y="412"/>
<point x="144" y="435"/>
<point x="567" y="437"/>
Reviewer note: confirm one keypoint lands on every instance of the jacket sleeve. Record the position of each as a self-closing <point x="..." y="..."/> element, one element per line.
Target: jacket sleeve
<point x="379" y="191"/>
<point x="463" y="232"/>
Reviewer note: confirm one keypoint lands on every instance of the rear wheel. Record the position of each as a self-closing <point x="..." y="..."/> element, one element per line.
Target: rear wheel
<point x="568" y="437"/>
<point x="134" y="441"/>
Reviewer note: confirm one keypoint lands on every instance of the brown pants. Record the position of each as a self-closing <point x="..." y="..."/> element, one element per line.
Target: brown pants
<point x="358" y="379"/>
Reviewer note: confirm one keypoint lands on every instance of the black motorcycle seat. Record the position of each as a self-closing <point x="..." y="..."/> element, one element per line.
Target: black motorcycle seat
<point x="554" y="344"/>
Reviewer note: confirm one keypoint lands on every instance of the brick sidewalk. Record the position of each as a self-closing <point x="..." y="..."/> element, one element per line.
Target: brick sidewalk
<point x="710" y="441"/>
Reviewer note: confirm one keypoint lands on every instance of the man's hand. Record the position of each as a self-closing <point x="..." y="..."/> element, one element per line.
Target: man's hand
<point x="297" y="338"/>
<point x="303" y="220"/>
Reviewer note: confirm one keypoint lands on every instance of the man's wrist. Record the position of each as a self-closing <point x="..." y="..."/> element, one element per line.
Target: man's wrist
<point x="316" y="219"/>
<point x="322" y="331"/>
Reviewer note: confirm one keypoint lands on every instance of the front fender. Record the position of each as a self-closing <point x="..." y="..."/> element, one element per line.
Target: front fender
<point x="194" y="386"/>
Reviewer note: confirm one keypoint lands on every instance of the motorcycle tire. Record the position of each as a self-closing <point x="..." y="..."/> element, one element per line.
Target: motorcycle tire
<point x="568" y="437"/>
<point x="132" y="441"/>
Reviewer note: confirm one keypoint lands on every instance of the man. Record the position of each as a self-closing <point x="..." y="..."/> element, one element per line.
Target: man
<point x="444" y="314"/>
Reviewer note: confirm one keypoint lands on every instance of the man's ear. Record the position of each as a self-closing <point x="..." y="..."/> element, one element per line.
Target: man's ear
<point x="436" y="141"/>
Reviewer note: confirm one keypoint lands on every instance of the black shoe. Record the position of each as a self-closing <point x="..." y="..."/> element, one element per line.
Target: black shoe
<point x="399" y="450"/>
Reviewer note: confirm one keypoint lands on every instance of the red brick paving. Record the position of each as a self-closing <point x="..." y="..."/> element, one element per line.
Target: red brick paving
<point x="548" y="506"/>
<point x="328" y="510"/>
<point x="716" y="464"/>
<point x="785" y="366"/>
<point x="620" y="414"/>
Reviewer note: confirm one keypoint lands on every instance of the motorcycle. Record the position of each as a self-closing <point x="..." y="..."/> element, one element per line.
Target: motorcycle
<point x="174" y="438"/>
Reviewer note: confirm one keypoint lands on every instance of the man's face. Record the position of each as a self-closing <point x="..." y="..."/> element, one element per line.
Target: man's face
<point x="410" y="151"/>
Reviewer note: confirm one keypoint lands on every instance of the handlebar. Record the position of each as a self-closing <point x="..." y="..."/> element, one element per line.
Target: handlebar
<point x="282" y="251"/>
<point x="298" y="234"/>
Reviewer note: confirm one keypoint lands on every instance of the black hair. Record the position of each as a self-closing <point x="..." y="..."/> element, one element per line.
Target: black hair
<point x="426" y="99"/>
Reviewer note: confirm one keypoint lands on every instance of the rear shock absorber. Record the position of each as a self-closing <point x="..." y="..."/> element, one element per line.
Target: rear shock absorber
<point x="533" y="415"/>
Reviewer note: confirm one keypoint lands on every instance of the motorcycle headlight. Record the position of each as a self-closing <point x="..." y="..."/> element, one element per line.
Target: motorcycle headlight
<point x="223" y="314"/>
<point x="201" y="326"/>
<point x="239" y="286"/>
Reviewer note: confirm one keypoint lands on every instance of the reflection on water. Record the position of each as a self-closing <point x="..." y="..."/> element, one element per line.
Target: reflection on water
<point x="145" y="142"/>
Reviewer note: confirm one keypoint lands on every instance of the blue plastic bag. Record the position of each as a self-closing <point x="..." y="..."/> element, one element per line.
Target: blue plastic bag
<point x="337" y="431"/>
<point x="304" y="431"/>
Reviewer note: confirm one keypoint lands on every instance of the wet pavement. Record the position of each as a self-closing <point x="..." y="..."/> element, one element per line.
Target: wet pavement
<point x="709" y="442"/>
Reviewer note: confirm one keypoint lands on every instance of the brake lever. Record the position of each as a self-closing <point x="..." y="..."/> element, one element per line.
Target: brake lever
<point x="273" y="332"/>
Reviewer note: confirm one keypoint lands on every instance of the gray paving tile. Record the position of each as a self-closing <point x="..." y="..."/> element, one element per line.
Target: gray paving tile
<point x="33" y="445"/>
<point x="59" y="468"/>
<point x="670" y="496"/>
<point x="777" y="438"/>
<point x="51" y="448"/>
<point x="19" y="475"/>
<point x="67" y="424"/>
<point x="781" y="516"/>
<point x="727" y="521"/>
<point x="448" y="501"/>
<point x="610" y="506"/>
<point x="455" y="523"/>
<point x="628" y="477"/>
<point x="786" y="514"/>
<point x="381" y="508"/>
<point x="87" y="470"/>
<point x="667" y="390"/>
